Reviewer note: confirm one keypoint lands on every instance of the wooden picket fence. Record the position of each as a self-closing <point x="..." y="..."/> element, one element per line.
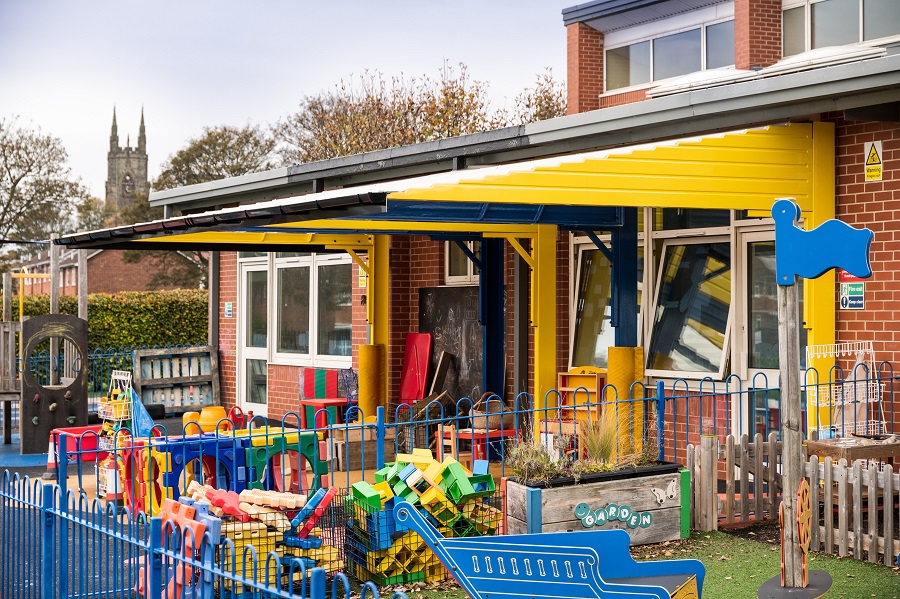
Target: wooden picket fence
<point x="854" y="505"/>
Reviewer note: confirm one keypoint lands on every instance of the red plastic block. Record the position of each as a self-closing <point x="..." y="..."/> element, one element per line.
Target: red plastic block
<point x="229" y="501"/>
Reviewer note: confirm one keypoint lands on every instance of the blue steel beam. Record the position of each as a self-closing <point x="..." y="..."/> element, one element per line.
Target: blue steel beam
<point x="491" y="314"/>
<point x="624" y="279"/>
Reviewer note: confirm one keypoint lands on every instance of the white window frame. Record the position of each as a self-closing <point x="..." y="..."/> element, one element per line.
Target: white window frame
<point x="807" y="22"/>
<point x="313" y="359"/>
<point x="471" y="277"/>
<point x="726" y="349"/>
<point x="700" y="24"/>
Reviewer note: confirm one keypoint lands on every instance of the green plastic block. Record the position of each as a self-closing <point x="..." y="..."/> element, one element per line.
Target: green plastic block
<point x="456" y="484"/>
<point x="483" y="484"/>
<point x="463" y="527"/>
<point x="365" y="494"/>
<point x="401" y="490"/>
<point x="381" y="475"/>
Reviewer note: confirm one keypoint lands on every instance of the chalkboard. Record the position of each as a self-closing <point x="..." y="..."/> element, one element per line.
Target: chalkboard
<point x="451" y="315"/>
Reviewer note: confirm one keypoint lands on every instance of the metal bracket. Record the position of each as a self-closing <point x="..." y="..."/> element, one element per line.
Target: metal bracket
<point x="469" y="253"/>
<point x="600" y="245"/>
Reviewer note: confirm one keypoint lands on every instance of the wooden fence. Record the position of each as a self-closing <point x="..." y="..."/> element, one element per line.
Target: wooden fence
<point x="854" y="505"/>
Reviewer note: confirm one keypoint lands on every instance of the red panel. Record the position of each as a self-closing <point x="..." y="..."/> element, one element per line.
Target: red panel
<point x="414" y="374"/>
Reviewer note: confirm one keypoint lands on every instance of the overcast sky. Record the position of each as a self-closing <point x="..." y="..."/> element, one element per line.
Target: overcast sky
<point x="193" y="63"/>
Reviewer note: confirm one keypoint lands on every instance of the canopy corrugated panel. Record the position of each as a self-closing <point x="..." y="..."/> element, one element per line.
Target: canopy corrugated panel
<point x="742" y="170"/>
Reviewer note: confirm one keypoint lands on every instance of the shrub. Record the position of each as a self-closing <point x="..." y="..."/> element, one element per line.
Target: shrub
<point x="134" y="318"/>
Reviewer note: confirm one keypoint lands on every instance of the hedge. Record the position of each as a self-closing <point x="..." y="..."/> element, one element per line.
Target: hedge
<point x="134" y="318"/>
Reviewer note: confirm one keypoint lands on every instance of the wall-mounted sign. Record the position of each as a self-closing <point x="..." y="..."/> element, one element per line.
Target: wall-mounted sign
<point x="612" y="513"/>
<point x="873" y="159"/>
<point x="846" y="277"/>
<point x="853" y="296"/>
<point x="229" y="310"/>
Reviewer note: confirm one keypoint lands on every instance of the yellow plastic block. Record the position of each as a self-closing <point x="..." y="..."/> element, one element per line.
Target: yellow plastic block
<point x="420" y="457"/>
<point x="384" y="489"/>
<point x="433" y="473"/>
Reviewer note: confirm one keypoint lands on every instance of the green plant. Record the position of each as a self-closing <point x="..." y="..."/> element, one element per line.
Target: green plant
<point x="534" y="462"/>
<point x="598" y="438"/>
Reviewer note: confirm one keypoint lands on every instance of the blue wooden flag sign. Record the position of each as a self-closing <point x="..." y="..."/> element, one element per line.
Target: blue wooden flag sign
<point x="809" y="254"/>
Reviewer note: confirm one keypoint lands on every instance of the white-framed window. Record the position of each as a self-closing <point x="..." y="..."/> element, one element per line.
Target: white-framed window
<point x="811" y="24"/>
<point x="670" y="54"/>
<point x="458" y="268"/>
<point x="310" y="307"/>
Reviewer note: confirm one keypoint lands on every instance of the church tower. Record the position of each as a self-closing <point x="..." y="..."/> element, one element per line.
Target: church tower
<point x="127" y="169"/>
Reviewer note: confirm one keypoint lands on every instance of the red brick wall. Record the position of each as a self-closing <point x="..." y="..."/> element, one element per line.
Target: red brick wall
<point x="876" y="205"/>
<point x="107" y="273"/>
<point x="228" y="290"/>
<point x="624" y="98"/>
<point x="757" y="33"/>
<point x="584" y="58"/>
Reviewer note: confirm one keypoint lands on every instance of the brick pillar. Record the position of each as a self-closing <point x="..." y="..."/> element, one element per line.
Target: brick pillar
<point x="757" y="33"/>
<point x="585" y="67"/>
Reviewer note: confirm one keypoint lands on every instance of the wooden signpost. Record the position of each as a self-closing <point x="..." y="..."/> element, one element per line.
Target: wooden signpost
<point x="807" y="254"/>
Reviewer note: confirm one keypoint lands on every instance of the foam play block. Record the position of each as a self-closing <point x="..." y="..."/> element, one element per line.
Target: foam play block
<point x="365" y="494"/>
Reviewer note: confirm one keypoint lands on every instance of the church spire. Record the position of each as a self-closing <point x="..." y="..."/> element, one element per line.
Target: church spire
<point x="142" y="134"/>
<point x="114" y="134"/>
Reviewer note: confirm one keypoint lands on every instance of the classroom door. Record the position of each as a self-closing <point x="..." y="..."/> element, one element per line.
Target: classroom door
<point x="254" y="335"/>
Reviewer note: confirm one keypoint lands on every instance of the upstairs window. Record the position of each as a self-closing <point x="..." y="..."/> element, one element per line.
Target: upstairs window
<point x="708" y="46"/>
<point x="812" y="24"/>
<point x="458" y="269"/>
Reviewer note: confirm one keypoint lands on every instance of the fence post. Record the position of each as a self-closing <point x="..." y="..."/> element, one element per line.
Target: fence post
<point x="660" y="419"/>
<point x="317" y="583"/>
<point x="709" y="482"/>
<point x="62" y="472"/>
<point x="48" y="530"/>
<point x="154" y="558"/>
<point x="379" y="437"/>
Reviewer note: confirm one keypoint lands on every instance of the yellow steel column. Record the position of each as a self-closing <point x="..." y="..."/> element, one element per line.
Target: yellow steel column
<point x="378" y="292"/>
<point x="543" y="311"/>
<point x="818" y="301"/>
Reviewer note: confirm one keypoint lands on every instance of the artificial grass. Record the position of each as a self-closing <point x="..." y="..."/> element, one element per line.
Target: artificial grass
<point x="735" y="567"/>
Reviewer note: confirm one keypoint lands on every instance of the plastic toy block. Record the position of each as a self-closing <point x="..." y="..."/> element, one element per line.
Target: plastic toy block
<point x="481" y="467"/>
<point x="456" y="484"/>
<point x="311" y="504"/>
<point x="420" y="457"/>
<point x="212" y="522"/>
<point x="407" y="471"/>
<point x="381" y="475"/>
<point x="229" y="502"/>
<point x="384" y="490"/>
<point x="463" y="527"/>
<point x="266" y="515"/>
<point x="483" y="485"/>
<point x="318" y="511"/>
<point x="368" y="496"/>
<point x="417" y="482"/>
<point x="433" y="472"/>
<point x="304" y="544"/>
<point x="183" y="516"/>
<point x="399" y="527"/>
<point x="380" y="527"/>
<point x="276" y="499"/>
<point x="401" y="490"/>
<point x="435" y="502"/>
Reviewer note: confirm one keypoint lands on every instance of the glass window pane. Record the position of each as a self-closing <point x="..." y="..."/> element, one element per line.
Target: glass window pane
<point x="692" y="308"/>
<point x="457" y="262"/>
<point x="292" y="254"/>
<point x="252" y="254"/>
<point x="335" y="320"/>
<point x="257" y="312"/>
<point x="256" y="381"/>
<point x="628" y="65"/>
<point x="677" y="54"/>
<point x="720" y="45"/>
<point x="293" y="310"/>
<point x="593" y="312"/>
<point x="793" y="31"/>
<point x="671" y="219"/>
<point x="834" y="23"/>
<point x="881" y="18"/>
<point x="762" y="295"/>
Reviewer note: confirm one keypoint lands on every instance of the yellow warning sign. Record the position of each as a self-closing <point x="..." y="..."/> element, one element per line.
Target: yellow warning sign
<point x="872" y="151"/>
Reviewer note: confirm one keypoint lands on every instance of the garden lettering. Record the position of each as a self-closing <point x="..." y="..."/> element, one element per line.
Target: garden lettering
<point x="611" y="513"/>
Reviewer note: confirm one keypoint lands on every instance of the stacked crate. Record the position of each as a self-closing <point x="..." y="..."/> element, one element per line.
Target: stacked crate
<point x="458" y="502"/>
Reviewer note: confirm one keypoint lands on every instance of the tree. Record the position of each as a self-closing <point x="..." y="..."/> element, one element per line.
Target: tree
<point x="376" y="113"/>
<point x="38" y="195"/>
<point x="219" y="152"/>
<point x="546" y="100"/>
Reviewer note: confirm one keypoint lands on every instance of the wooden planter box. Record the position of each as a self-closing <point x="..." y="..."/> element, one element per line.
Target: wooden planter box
<point x="646" y="492"/>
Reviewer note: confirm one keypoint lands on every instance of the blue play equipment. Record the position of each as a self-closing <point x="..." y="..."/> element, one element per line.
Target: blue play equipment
<point x="567" y="565"/>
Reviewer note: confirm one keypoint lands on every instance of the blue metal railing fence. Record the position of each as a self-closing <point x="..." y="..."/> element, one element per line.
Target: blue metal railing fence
<point x="61" y="544"/>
